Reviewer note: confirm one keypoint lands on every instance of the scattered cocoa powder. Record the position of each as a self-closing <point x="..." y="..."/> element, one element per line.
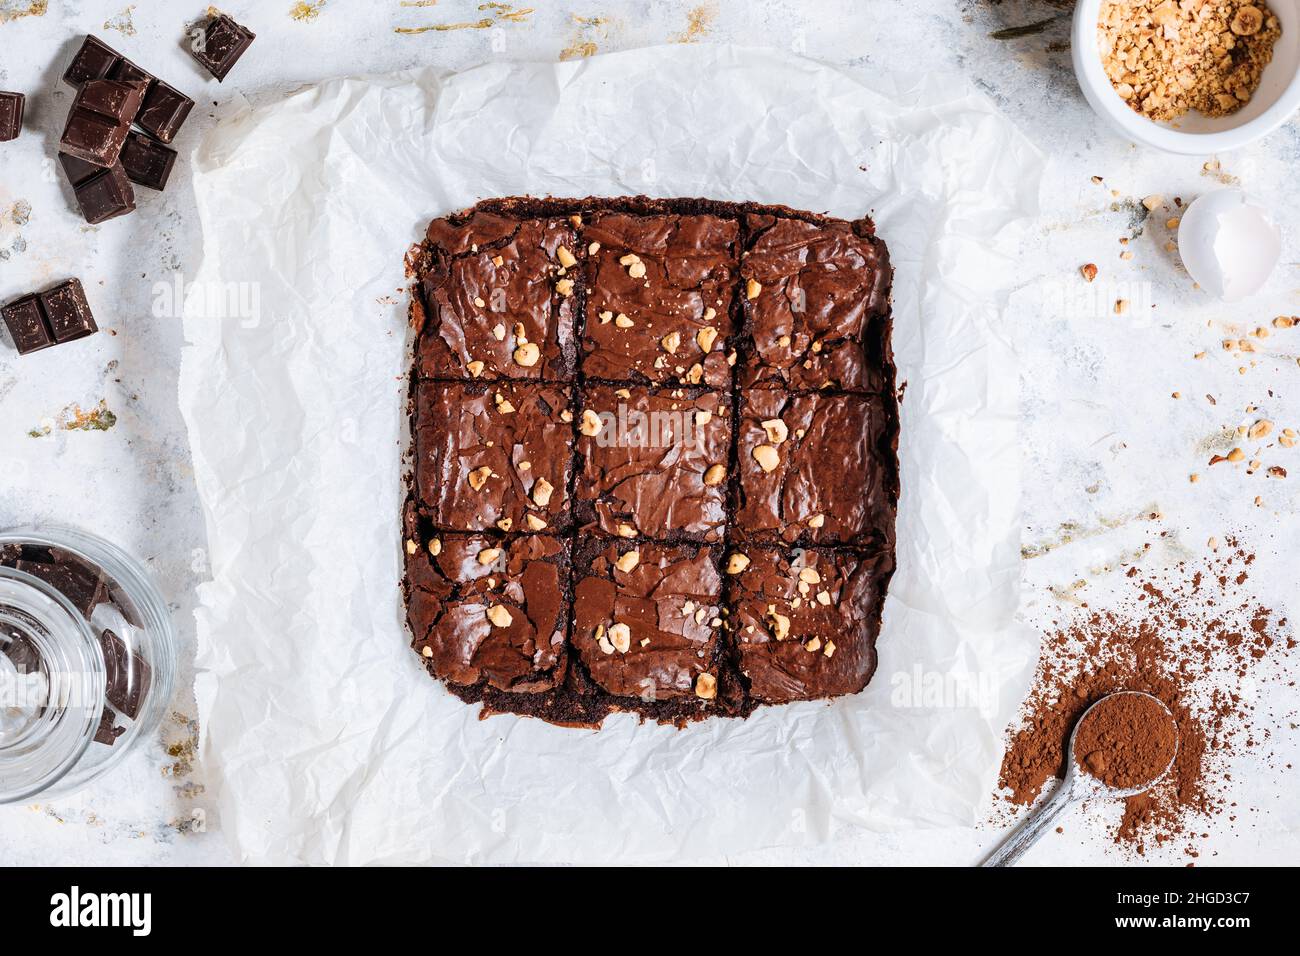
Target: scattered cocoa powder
<point x="1126" y="740"/>
<point x="1176" y="636"/>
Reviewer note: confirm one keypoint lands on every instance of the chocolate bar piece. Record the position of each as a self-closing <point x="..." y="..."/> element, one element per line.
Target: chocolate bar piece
<point x="68" y="312"/>
<point x="43" y="319"/>
<point x="147" y="162"/>
<point x="128" y="72"/>
<point x="83" y="587"/>
<point x="101" y="116"/>
<point x="106" y="733"/>
<point x="24" y="655"/>
<point x="101" y="193"/>
<point x="11" y="115"/>
<point x="27" y="325"/>
<point x="127" y="675"/>
<point x="164" y="108"/>
<point x="94" y="61"/>
<point x="223" y="43"/>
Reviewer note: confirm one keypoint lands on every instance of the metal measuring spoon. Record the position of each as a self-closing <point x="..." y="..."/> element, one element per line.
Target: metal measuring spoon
<point x="1075" y="787"/>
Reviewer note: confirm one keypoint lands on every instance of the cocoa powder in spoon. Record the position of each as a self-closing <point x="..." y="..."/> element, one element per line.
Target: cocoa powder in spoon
<point x="1195" y="637"/>
<point x="1126" y="741"/>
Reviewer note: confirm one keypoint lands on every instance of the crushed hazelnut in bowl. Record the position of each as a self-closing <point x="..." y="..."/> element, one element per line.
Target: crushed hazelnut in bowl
<point x="1189" y="76"/>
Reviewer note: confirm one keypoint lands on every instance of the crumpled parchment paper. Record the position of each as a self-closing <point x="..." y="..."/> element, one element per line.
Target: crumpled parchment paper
<point x="328" y="741"/>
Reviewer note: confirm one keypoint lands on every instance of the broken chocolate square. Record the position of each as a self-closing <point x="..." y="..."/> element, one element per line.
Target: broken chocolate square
<point x="163" y="111"/>
<point x="103" y="193"/>
<point x="222" y="44"/>
<point x="106" y="733"/>
<point x="83" y="587"/>
<point x="127" y="675"/>
<point x="67" y="311"/>
<point x="27" y="325"/>
<point x="94" y="61"/>
<point x="100" y="118"/>
<point x="11" y="115"/>
<point x="147" y="162"/>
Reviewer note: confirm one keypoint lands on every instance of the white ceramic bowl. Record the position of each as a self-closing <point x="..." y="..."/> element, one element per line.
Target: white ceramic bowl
<point x="1276" y="99"/>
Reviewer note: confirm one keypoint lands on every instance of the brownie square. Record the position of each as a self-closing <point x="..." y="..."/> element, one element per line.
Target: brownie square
<point x="659" y="301"/>
<point x="493" y="456"/>
<point x="498" y="299"/>
<point x="814" y="468"/>
<point x="806" y="621"/>
<point x="816" y="306"/>
<point x="490" y="609"/>
<point x="647" y="619"/>
<point x="653" y="462"/>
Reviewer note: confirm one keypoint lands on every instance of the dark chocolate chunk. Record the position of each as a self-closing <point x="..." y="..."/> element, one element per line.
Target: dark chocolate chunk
<point x="104" y="195"/>
<point x="24" y="655"/>
<point x="94" y="61"/>
<point x="84" y="589"/>
<point x="40" y="320"/>
<point x="222" y="44"/>
<point x="164" y="109"/>
<point x="106" y="733"/>
<point x="27" y="325"/>
<point x="147" y="162"/>
<point x="101" y="116"/>
<point x="68" y="312"/>
<point x="127" y="675"/>
<point x="11" y="115"/>
<point x="128" y="72"/>
<point x="78" y="170"/>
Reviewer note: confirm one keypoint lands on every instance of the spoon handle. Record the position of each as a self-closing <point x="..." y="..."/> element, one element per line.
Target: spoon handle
<point x="1032" y="827"/>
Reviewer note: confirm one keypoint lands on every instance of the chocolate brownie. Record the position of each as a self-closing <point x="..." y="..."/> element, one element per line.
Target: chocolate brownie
<point x="816" y="306"/>
<point x="816" y="468"/>
<point x="703" y="383"/>
<point x="659" y="300"/>
<point x="490" y="609"/>
<point x="806" y="621"/>
<point x="647" y="619"/>
<point x="653" y="462"/>
<point x="493" y="456"/>
<point x="498" y="299"/>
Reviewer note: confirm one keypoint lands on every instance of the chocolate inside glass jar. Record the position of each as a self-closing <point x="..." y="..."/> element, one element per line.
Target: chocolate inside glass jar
<point x="86" y="660"/>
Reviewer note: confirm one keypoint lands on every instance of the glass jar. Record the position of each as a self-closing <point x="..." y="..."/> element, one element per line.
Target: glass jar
<point x="87" y="660"/>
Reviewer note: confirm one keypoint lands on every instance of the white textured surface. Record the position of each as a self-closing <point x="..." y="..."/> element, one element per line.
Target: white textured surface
<point x="1104" y="443"/>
